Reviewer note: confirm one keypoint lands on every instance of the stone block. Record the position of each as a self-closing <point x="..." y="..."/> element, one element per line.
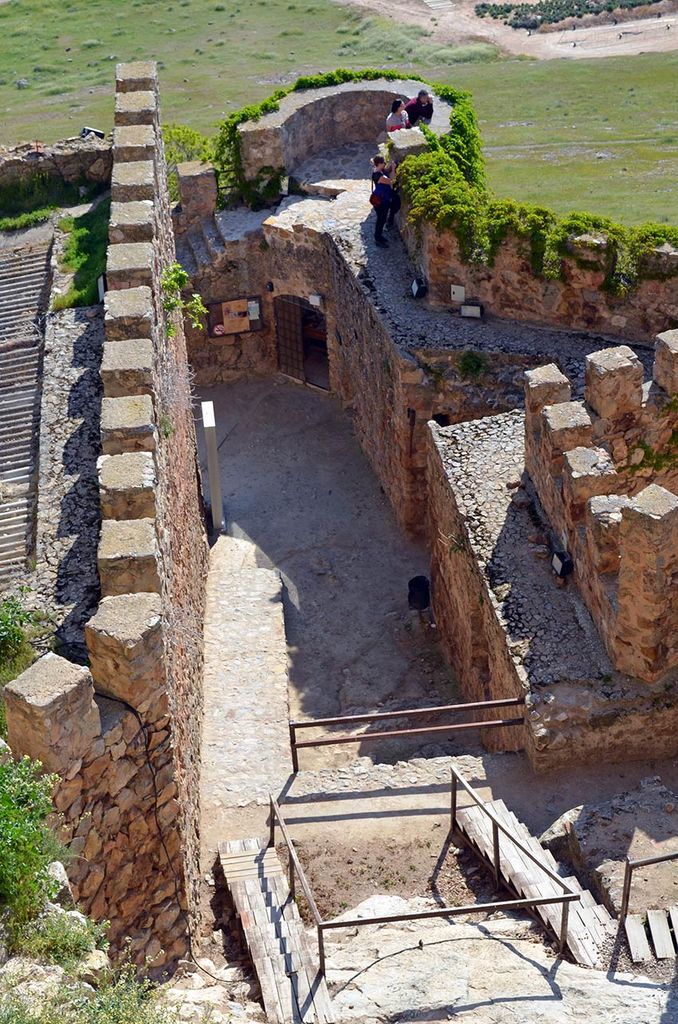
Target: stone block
<point x="127" y="485"/>
<point x="127" y="425"/>
<point x="128" y="313"/>
<point x="586" y="472"/>
<point x="665" y="368"/>
<point x="565" y="425"/>
<point x="133" y="181"/>
<point x="127" y="557"/>
<point x="197" y="188"/>
<point x="132" y="222"/>
<point x="134" y="142"/>
<point x="127" y="367"/>
<point x="407" y="142"/>
<point x="136" y="76"/>
<point x="614" y="381"/>
<point x="545" y="385"/>
<point x="125" y="644"/>
<point x="130" y="265"/>
<point x="603" y="522"/>
<point x="591" y="250"/>
<point x="51" y="714"/>
<point x="136" y="107"/>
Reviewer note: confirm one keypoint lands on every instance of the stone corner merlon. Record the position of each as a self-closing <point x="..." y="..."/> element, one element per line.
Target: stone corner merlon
<point x="614" y="382"/>
<point x="125" y="643"/>
<point x="198" y="191"/>
<point x="51" y="713"/>
<point x="136" y="76"/>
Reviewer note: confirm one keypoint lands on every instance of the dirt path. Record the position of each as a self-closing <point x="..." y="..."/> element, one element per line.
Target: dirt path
<point x="461" y="25"/>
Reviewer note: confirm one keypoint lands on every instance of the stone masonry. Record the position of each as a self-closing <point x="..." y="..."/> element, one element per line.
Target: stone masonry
<point x="606" y="472"/>
<point x="123" y="734"/>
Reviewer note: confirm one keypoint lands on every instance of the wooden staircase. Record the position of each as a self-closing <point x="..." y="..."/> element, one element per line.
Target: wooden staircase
<point x="657" y="930"/>
<point x="589" y="924"/>
<point x="292" y="988"/>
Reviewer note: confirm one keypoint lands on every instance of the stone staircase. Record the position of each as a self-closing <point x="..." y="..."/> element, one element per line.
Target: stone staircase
<point x="205" y="242"/>
<point x="24" y="280"/>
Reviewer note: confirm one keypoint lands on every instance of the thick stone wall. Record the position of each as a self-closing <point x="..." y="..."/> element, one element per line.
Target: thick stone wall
<point x="126" y="739"/>
<point x="466" y="608"/>
<point x="316" y="120"/>
<point x="509" y="289"/>
<point x="73" y="160"/>
<point x="591" y="463"/>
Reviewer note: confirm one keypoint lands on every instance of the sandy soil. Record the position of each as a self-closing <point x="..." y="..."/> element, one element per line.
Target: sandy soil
<point x="459" y="24"/>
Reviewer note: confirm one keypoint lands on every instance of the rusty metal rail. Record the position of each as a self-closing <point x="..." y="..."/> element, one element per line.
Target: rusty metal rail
<point x="297" y="871"/>
<point x="407" y="713"/>
<point x="498" y="826"/>
<point x="628" y="875"/>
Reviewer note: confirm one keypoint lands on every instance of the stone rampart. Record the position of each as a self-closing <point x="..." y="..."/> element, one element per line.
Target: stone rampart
<point x="73" y="160"/>
<point x="606" y="472"/>
<point x="509" y="288"/>
<point x="315" y="120"/>
<point x="124" y="734"/>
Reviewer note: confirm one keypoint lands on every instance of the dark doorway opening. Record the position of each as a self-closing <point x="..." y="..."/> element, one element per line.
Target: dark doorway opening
<point x="442" y="419"/>
<point x="301" y="331"/>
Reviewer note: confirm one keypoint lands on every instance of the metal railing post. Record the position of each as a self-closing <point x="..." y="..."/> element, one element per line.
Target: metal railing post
<point x="293" y="884"/>
<point x="321" y="950"/>
<point x="271" y="836"/>
<point x="495" y="852"/>
<point x="626" y="891"/>
<point x="453" y="802"/>
<point x="565" y="913"/>
<point x="293" y="748"/>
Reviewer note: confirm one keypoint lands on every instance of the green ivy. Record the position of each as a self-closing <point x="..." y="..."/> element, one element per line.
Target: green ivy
<point x="463" y="143"/>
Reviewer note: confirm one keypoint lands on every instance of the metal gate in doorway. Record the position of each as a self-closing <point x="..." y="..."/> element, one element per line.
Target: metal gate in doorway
<point x="302" y="340"/>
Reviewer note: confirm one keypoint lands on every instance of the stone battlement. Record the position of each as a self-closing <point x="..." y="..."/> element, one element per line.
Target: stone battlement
<point x="123" y="734"/>
<point x="606" y="472"/>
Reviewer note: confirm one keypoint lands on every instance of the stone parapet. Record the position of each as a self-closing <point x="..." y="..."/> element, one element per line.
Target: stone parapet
<point x="591" y="464"/>
<point x="131" y="222"/>
<point x="135" y="108"/>
<point x="127" y="424"/>
<point x="130" y="265"/>
<point x="127" y="368"/>
<point x="134" y="142"/>
<point x="127" y="485"/>
<point x="51" y="714"/>
<point x="128" y="313"/>
<point x="125" y="644"/>
<point x="128" y="557"/>
<point x="133" y="182"/>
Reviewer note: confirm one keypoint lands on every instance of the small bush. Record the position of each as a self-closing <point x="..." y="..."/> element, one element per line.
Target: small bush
<point x="183" y="143"/>
<point x="58" y="939"/>
<point x="472" y="364"/>
<point x="27" y="846"/>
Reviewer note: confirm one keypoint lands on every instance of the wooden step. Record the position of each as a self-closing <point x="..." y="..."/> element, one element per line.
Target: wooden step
<point x="637" y="939"/>
<point x="662" y="941"/>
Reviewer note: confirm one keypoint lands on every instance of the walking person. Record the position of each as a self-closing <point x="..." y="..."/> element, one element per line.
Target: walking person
<point x="384" y="198"/>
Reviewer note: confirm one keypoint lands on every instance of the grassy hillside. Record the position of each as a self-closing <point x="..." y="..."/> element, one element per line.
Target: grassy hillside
<point x="598" y="134"/>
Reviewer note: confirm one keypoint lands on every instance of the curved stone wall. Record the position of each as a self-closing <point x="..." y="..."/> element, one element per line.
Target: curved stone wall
<point x="311" y="121"/>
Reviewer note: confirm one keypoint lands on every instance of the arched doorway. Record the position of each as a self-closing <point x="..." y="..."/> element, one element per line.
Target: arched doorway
<point x="301" y="331"/>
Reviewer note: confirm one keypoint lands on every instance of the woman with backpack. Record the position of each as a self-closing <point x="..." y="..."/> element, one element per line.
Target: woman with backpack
<point x="384" y="198"/>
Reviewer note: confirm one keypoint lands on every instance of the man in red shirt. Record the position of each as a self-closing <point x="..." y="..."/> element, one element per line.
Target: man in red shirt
<point x="421" y="109"/>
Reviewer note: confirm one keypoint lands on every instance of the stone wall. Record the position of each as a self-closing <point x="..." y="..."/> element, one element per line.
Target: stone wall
<point x="606" y="471"/>
<point x="74" y="160"/>
<point x="509" y="289"/>
<point x="125" y="738"/>
<point x="315" y="120"/>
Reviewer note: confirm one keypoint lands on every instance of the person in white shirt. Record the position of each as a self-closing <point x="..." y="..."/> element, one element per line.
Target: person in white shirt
<point x="398" y="118"/>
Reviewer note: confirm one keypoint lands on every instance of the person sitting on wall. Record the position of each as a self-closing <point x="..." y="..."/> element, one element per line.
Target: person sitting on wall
<point x="384" y="198"/>
<point x="397" y="119"/>
<point x="420" y="110"/>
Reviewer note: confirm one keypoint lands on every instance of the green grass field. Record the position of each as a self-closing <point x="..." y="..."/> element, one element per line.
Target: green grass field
<point x="601" y="135"/>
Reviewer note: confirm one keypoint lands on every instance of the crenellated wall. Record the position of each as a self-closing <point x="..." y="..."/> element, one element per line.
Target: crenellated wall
<point x="606" y="472"/>
<point x="124" y="733"/>
<point x="73" y="160"/>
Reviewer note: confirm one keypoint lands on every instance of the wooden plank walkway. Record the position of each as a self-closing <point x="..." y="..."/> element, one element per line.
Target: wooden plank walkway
<point x="653" y="935"/>
<point x="292" y="987"/>
<point x="589" y="923"/>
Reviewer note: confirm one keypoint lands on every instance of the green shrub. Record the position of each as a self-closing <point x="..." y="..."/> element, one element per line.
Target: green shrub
<point x="183" y="143"/>
<point x="13" y="618"/>
<point x="550" y="12"/>
<point x="472" y="364"/>
<point x="57" y="939"/>
<point x="31" y="199"/>
<point x="85" y="253"/>
<point x="27" y="846"/>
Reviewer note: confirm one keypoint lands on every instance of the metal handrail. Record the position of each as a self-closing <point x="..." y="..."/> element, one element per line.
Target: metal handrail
<point x="628" y="872"/>
<point x="321" y="925"/>
<point x="497" y="827"/>
<point x="377" y="716"/>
